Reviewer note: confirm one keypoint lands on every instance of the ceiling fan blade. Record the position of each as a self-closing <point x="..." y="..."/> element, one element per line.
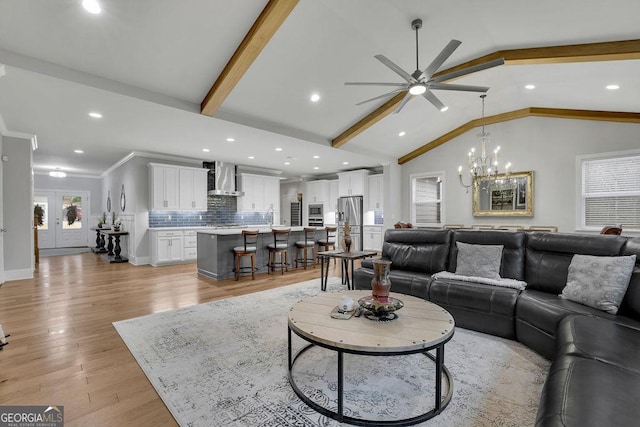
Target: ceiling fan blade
<point x="440" y="59"/>
<point x="434" y="100"/>
<point x="468" y="70"/>
<point x="380" y="96"/>
<point x="375" y="84"/>
<point x="463" y="88"/>
<point x="406" y="99"/>
<point x="399" y="71"/>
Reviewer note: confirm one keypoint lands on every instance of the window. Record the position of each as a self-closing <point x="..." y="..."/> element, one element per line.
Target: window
<point x="426" y="199"/>
<point x="611" y="191"/>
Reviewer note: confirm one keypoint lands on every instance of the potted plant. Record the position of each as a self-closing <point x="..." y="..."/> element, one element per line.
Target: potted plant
<point x="100" y="222"/>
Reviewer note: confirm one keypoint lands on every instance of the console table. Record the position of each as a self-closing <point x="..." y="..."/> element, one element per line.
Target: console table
<point x="99" y="249"/>
<point x="114" y="250"/>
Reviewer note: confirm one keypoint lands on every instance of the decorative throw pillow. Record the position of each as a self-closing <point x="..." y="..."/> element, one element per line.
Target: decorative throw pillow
<point x="599" y="281"/>
<point x="479" y="260"/>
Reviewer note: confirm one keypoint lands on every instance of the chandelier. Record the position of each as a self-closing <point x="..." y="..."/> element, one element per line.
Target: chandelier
<point x="483" y="167"/>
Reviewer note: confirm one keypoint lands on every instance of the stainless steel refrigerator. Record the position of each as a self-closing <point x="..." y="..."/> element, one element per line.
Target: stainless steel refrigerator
<point x="350" y="210"/>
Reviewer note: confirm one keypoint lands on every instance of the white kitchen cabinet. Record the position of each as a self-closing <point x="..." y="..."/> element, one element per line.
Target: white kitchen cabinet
<point x="372" y="237"/>
<point x="193" y="189"/>
<point x="317" y="191"/>
<point x="352" y="183"/>
<point x="166" y="247"/>
<point x="190" y="245"/>
<point x="260" y="193"/>
<point x="163" y="180"/>
<point x="332" y="205"/>
<point x="376" y="194"/>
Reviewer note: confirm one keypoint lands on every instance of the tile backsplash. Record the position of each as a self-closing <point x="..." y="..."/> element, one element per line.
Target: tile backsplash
<point x="221" y="210"/>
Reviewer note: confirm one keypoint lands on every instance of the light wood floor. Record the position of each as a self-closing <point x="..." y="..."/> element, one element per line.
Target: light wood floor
<point x="63" y="349"/>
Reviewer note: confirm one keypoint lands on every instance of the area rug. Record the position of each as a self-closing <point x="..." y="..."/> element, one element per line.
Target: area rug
<point x="224" y="363"/>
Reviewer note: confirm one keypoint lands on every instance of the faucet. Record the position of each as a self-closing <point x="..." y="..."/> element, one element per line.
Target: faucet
<point x="270" y="214"/>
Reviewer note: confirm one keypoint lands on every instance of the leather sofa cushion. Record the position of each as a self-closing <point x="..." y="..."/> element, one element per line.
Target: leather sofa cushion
<point x="513" y="252"/>
<point x="548" y="256"/>
<point x="404" y="282"/>
<point x="631" y="303"/>
<point x="424" y="251"/>
<point x="537" y="317"/>
<point x="583" y="392"/>
<point x="599" y="339"/>
<point x="474" y="296"/>
<point x="544" y="310"/>
<point x="484" y="308"/>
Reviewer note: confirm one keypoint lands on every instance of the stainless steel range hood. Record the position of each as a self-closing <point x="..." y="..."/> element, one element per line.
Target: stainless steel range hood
<point x="223" y="179"/>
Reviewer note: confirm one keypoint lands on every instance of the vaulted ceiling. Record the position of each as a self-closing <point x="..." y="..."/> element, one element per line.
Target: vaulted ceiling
<point x="165" y="78"/>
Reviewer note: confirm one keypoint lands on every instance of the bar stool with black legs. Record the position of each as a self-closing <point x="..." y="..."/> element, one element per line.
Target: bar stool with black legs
<point x="328" y="242"/>
<point x="249" y="248"/>
<point x="303" y="246"/>
<point x="279" y="247"/>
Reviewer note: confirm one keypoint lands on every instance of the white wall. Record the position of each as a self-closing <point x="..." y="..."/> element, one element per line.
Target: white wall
<point x="84" y="183"/>
<point x="546" y="146"/>
<point x="17" y="205"/>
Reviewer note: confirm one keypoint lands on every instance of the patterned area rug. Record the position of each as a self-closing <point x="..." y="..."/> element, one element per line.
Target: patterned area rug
<point x="224" y="363"/>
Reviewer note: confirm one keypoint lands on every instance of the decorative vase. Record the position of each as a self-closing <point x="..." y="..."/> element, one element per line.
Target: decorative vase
<point x="347" y="243"/>
<point x="380" y="284"/>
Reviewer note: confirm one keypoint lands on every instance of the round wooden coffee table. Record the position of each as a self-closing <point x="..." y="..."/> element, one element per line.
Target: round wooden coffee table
<point x="421" y="326"/>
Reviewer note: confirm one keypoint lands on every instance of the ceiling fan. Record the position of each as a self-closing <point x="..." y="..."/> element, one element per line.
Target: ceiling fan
<point x="423" y="82"/>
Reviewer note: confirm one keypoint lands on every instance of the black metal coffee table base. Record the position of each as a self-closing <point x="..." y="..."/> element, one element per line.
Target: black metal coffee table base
<point x="440" y="402"/>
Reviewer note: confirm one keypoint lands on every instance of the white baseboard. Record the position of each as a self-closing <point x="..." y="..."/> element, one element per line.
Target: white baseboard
<point x="143" y="260"/>
<point x="26" y="273"/>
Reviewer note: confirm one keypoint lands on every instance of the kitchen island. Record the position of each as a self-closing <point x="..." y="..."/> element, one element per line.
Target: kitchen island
<point x="215" y="249"/>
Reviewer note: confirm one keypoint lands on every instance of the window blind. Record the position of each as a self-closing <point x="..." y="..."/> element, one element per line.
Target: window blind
<point x="611" y="191"/>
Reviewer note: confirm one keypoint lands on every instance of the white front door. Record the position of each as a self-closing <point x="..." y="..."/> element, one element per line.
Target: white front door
<point x="65" y="220"/>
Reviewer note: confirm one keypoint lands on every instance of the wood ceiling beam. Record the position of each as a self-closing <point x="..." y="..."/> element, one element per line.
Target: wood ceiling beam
<point x="589" y="52"/>
<point x="271" y="18"/>
<point x="558" y="113"/>
<point x="372" y="118"/>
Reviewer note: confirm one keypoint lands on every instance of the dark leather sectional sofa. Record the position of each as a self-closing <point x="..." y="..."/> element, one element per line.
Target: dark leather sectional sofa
<point x="594" y="379"/>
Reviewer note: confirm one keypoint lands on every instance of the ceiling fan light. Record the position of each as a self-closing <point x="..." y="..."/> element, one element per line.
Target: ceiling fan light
<point x="445" y="108"/>
<point x="417" y="89"/>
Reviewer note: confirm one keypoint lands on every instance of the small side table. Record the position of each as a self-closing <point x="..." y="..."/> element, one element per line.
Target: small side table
<point x="346" y="258"/>
<point x="113" y="254"/>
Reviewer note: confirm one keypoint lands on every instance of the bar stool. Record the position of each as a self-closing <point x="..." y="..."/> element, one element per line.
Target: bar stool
<point x="304" y="245"/>
<point x="249" y="249"/>
<point x="280" y="247"/>
<point x="329" y="241"/>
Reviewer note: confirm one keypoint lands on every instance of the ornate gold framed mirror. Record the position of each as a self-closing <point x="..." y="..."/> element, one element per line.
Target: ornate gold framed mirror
<point x="502" y="196"/>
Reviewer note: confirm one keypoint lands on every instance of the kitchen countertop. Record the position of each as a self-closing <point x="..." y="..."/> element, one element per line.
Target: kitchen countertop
<point x="261" y="229"/>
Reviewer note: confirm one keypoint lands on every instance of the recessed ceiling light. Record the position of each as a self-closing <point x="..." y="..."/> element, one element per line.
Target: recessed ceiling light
<point x="345" y="163"/>
<point x="445" y="108"/>
<point x="530" y="87"/>
<point x="287" y="163"/>
<point x="78" y="151"/>
<point x="57" y="174"/>
<point x="95" y="115"/>
<point x="315" y="97"/>
<point x="403" y="133"/>
<point x="613" y="87"/>
<point x="205" y="150"/>
<point x="316" y="167"/>
<point x="251" y="157"/>
<point x="278" y="149"/>
<point x="316" y="157"/>
<point x="230" y="139"/>
<point x="91" y="6"/>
